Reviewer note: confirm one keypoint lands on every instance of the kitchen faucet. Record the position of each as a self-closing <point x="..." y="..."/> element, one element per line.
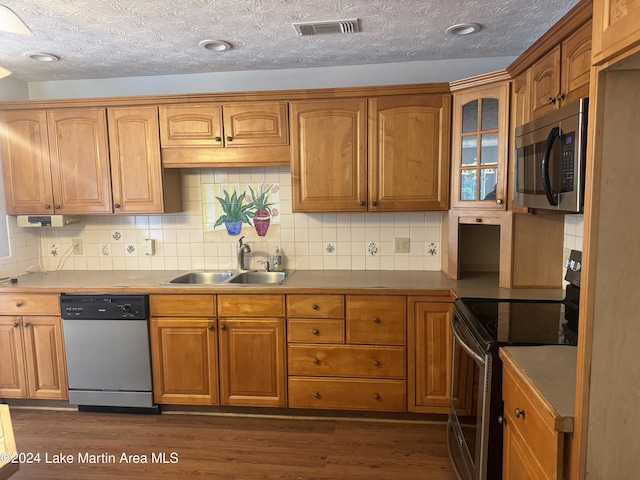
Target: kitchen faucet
<point x="241" y="249"/>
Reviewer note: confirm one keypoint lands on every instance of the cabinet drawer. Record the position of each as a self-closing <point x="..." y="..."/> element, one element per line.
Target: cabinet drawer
<point x="347" y="394"/>
<point x="29" y="304"/>
<point x="251" y="305"/>
<point x="534" y="424"/>
<point x="315" y="331"/>
<point x="376" y="319"/>
<point x="315" y="306"/>
<point x="182" y="305"/>
<point x="347" y="361"/>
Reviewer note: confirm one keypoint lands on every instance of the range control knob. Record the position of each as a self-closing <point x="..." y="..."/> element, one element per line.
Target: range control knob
<point x="126" y="309"/>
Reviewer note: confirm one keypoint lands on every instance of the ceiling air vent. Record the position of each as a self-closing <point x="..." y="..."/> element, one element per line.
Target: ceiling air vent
<point x="317" y="28"/>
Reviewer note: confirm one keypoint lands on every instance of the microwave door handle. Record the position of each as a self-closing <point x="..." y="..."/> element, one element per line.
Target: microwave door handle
<point x="546" y="181"/>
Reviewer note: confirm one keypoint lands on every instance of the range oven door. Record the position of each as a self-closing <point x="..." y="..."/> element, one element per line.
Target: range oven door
<point x="468" y="435"/>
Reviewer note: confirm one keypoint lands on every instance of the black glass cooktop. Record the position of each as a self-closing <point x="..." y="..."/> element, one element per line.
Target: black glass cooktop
<point x="518" y="322"/>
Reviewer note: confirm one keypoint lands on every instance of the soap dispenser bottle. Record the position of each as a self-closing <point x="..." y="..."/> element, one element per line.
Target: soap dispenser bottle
<point x="276" y="261"/>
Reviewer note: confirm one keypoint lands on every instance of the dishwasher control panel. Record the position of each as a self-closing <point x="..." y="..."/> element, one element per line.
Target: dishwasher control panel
<point x="95" y="306"/>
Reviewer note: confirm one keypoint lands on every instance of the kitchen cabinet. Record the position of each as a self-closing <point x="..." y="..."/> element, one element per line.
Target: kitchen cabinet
<point x="56" y="161"/>
<point x="532" y="445"/>
<point x="520" y="114"/>
<point x="184" y="349"/>
<point x="139" y="183"/>
<point x="224" y="134"/>
<point x="351" y="358"/>
<point x="429" y="352"/>
<point x="252" y="350"/>
<point x="397" y="160"/>
<point x="32" y="358"/>
<point x="480" y="146"/>
<point x="562" y="75"/>
<point x="616" y="28"/>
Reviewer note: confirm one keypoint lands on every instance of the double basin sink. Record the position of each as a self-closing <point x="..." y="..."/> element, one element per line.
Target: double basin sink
<point x="233" y="277"/>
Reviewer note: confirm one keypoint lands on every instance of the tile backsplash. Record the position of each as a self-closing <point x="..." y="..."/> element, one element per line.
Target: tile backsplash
<point x="183" y="241"/>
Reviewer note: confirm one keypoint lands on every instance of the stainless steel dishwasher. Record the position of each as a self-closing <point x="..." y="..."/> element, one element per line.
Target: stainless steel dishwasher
<point x="106" y="338"/>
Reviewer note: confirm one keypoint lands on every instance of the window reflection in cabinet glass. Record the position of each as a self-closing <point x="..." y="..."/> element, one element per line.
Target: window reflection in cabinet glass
<point x="469" y="150"/>
<point x="468" y="184"/>
<point x="489" y="113"/>
<point x="470" y="117"/>
<point x="489" y="151"/>
<point x="488" y="182"/>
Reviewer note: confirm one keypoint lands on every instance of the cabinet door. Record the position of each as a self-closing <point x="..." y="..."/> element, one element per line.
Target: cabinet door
<point x="545" y="83"/>
<point x="516" y="456"/>
<point x="328" y="152"/>
<point x="616" y="28"/>
<point x="45" y="357"/>
<point x="430" y="344"/>
<point x="255" y="124"/>
<point x="520" y="114"/>
<point x="137" y="176"/>
<point x="576" y="65"/>
<point x="479" y="150"/>
<point x="184" y="353"/>
<point x="13" y="374"/>
<point x="191" y="125"/>
<point x="252" y="362"/>
<point x="409" y="152"/>
<point x="79" y="160"/>
<point x="25" y="161"/>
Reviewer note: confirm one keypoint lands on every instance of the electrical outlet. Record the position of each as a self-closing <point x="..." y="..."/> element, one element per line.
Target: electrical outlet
<point x="402" y="245"/>
<point x="78" y="247"/>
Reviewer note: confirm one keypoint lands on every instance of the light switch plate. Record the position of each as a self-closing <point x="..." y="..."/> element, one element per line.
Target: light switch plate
<point x="149" y="246"/>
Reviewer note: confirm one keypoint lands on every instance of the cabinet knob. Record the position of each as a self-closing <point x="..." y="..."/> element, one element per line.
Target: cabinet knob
<point x="478" y="220"/>
<point x="316" y="361"/>
<point x="376" y="396"/>
<point x="376" y="363"/>
<point x="519" y="413"/>
<point x="552" y="100"/>
<point x="374" y="203"/>
<point x="499" y="201"/>
<point x="502" y="420"/>
<point x="117" y="205"/>
<point x="47" y="206"/>
<point x="315" y="306"/>
<point x="210" y="327"/>
<point x="223" y="327"/>
<point x="229" y="139"/>
<point x="19" y="303"/>
<point x="26" y="324"/>
<point x="316" y="394"/>
<point x="57" y="207"/>
<point x="361" y="203"/>
<point x="376" y="320"/>
<point x="16" y="324"/>
<point x="316" y="332"/>
<point x="218" y="139"/>
<point x="561" y="96"/>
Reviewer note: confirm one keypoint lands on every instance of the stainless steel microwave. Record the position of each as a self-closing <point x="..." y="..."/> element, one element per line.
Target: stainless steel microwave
<point x="550" y="160"/>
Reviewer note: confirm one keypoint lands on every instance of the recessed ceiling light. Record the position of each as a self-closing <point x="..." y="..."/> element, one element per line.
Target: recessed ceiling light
<point x="463" y="29"/>
<point x="42" y="57"/>
<point x="215" y="45"/>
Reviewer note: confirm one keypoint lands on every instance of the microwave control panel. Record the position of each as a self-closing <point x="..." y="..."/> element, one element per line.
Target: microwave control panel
<point x="567" y="162"/>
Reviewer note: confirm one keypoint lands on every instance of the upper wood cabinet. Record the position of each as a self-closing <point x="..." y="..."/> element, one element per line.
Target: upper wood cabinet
<point x="562" y="75"/>
<point x="615" y="28"/>
<point x="520" y="114"/>
<point x="407" y="164"/>
<point x="140" y="185"/>
<point x="479" y="150"/>
<point x="200" y="134"/>
<point x="56" y="161"/>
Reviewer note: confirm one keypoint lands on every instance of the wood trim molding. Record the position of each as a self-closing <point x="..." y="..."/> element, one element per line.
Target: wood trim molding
<point x="574" y="19"/>
<point x="480" y="80"/>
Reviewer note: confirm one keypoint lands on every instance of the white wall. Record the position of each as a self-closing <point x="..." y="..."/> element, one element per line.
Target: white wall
<point x="324" y="77"/>
<point x="12" y="89"/>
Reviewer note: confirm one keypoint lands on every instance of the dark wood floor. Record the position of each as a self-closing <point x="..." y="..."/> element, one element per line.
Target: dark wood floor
<point x="228" y="447"/>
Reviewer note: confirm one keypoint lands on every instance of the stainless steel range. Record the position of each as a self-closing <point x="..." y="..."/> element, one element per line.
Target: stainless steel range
<point x="480" y="327"/>
<point x="107" y="348"/>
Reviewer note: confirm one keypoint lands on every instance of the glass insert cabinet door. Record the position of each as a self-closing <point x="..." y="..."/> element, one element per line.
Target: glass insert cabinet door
<point x="479" y="148"/>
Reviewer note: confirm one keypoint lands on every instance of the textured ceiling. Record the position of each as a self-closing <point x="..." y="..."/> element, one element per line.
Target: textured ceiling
<point x="124" y="38"/>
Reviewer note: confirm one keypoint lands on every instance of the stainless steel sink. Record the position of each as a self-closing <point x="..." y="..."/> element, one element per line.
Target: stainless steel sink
<point x="203" y="278"/>
<point x="259" y="278"/>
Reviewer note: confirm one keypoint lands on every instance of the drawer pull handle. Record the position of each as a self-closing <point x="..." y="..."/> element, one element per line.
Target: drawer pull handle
<point x="314" y="306"/>
<point x="478" y="220"/>
<point x="376" y="363"/>
<point x="316" y="395"/>
<point x="519" y="413"/>
<point x="19" y="303"/>
<point x="376" y="396"/>
<point x="376" y="320"/>
<point x="316" y="361"/>
<point x="316" y="332"/>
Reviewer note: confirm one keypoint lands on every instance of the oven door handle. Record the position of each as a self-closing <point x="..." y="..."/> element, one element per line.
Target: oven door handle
<point x="463" y="344"/>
